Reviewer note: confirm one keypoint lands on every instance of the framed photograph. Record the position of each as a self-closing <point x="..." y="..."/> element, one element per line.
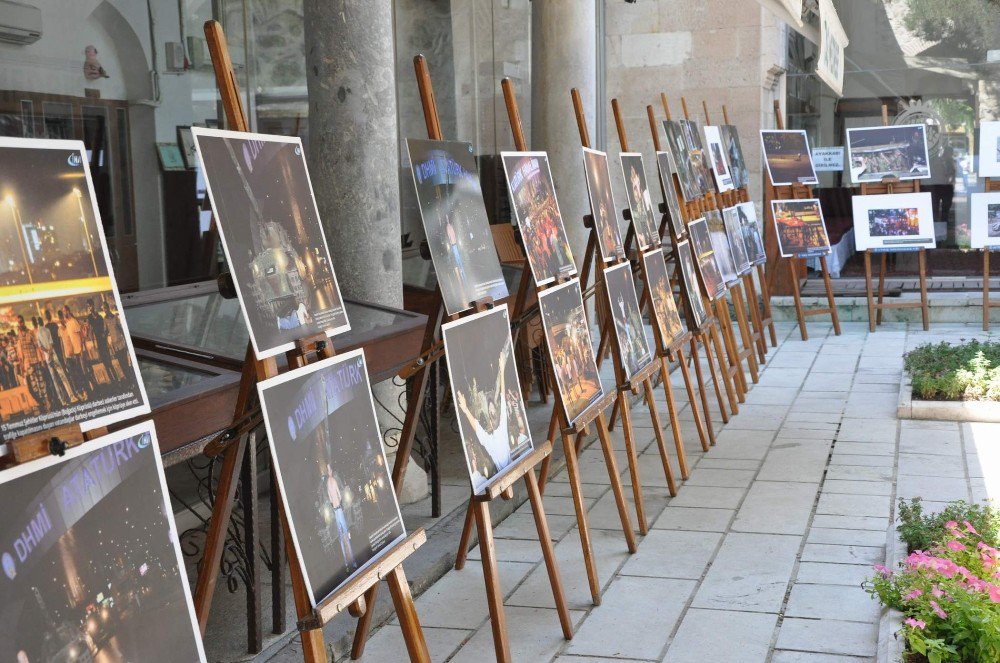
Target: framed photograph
<point x="734" y="232"/>
<point x="985" y="220"/>
<point x="640" y="204"/>
<point x="667" y="320"/>
<point x="458" y="232"/>
<point x="694" y="301"/>
<point x="720" y="245"/>
<point x="330" y="466"/>
<point x="787" y="157"/>
<point x="491" y="416"/>
<point x="800" y="228"/>
<point x="270" y="228"/>
<point x="893" y="221"/>
<point x="878" y="152"/>
<point x="92" y="565"/>
<point x="734" y="150"/>
<point x="697" y="158"/>
<point x="66" y="355"/>
<point x="665" y="165"/>
<point x="629" y="332"/>
<point x="536" y="210"/>
<point x="567" y="336"/>
<point x="989" y="149"/>
<point x="717" y="157"/>
<point x="690" y="187"/>
<point x="602" y="204"/>
<point x="712" y="281"/>
<point x="185" y="141"/>
<point x="170" y="157"/>
<point x="746" y="213"/>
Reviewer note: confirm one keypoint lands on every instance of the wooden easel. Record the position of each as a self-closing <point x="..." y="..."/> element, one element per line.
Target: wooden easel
<point x="785" y="192"/>
<point x="890" y="185"/>
<point x="989" y="184"/>
<point x="626" y="386"/>
<point x="52" y="442"/>
<point x="233" y="445"/>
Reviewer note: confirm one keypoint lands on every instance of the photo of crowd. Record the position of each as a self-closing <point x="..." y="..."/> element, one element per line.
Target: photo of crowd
<point x="701" y="245"/>
<point x="734" y="151"/>
<point x="746" y="214"/>
<point x="734" y="232"/>
<point x="895" y="222"/>
<point x="270" y="228"/>
<point x="488" y="404"/>
<point x="65" y="351"/>
<point x="664" y="163"/>
<point x="455" y="223"/>
<point x="697" y="159"/>
<point x="720" y="167"/>
<point x="668" y="322"/>
<point x="690" y="187"/>
<point x="630" y="334"/>
<point x="570" y="347"/>
<point x="787" y="156"/>
<point x="719" y="237"/>
<point x="91" y="568"/>
<point x="602" y="203"/>
<point x="878" y="152"/>
<point x="533" y="197"/>
<point x="801" y="230"/>
<point x="694" y="301"/>
<point x="984" y="215"/>
<point x="993" y="220"/>
<point x="331" y="468"/>
<point x="640" y="204"/>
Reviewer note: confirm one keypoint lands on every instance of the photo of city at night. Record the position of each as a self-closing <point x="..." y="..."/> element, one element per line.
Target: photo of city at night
<point x="65" y="351"/>
<point x="91" y="569"/>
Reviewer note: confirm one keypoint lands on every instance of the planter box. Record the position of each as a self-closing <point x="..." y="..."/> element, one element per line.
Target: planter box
<point x="910" y="408"/>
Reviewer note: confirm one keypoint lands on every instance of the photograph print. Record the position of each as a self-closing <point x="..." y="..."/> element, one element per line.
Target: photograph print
<point x="66" y="355"/>
<point x="326" y="447"/>
<point x="570" y="347"/>
<point x="734" y="151"/>
<point x="455" y="223"/>
<point x="717" y="157"/>
<point x="665" y="166"/>
<point x="985" y="220"/>
<point x="878" y="152"/>
<point x="694" y="302"/>
<point x="668" y="322"/>
<point x="787" y="157"/>
<point x="989" y="148"/>
<point x="640" y="203"/>
<point x="602" y="204"/>
<point x="720" y="245"/>
<point x="536" y="210"/>
<point x="271" y="232"/>
<point x="92" y="568"/>
<point x="697" y="159"/>
<point x="713" y="283"/>
<point x="746" y="214"/>
<point x="893" y="221"/>
<point x="630" y="333"/>
<point x="734" y="232"/>
<point x="800" y="228"/>
<point x="690" y="187"/>
<point x="488" y="404"/>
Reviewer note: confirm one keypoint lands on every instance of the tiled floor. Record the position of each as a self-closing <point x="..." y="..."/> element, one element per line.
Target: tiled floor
<point x="761" y="554"/>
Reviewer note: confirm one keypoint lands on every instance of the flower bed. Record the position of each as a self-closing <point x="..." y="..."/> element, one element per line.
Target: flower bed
<point x="944" y="372"/>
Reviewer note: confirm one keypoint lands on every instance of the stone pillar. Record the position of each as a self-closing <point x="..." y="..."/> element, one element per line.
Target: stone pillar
<point x="354" y="155"/>
<point x="564" y="56"/>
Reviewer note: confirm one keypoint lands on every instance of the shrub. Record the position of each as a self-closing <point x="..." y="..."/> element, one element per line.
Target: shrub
<point x="921" y="532"/>
<point x="942" y="371"/>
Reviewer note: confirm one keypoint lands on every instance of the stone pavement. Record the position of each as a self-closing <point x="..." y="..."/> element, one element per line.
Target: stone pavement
<point x="761" y="555"/>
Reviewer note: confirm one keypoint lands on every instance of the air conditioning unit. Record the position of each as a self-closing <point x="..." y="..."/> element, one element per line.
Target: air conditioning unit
<point x="20" y="23"/>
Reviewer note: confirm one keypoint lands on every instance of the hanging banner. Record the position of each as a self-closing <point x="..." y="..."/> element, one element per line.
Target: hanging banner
<point x="832" y="42"/>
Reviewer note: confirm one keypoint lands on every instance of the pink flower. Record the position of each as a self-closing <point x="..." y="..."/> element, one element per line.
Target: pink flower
<point x="955" y="545"/>
<point x="936" y="591"/>
<point x="969" y="528"/>
<point x="882" y="571"/>
<point x="994" y="592"/>
<point x="938" y="611"/>
<point x="915" y="623"/>
<point x="913" y="594"/>
<point x="951" y="524"/>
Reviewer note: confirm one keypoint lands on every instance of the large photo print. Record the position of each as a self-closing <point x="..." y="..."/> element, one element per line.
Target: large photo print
<point x="602" y="203"/>
<point x="92" y="570"/>
<point x="630" y="333"/>
<point x="488" y="404"/>
<point x="455" y="223"/>
<point x="801" y="229"/>
<point x="640" y="204"/>
<point x="270" y="228"/>
<point x="893" y="221"/>
<point x="878" y="152"/>
<point x="704" y="255"/>
<point x="331" y="469"/>
<point x="787" y="157"/>
<point x="65" y="352"/>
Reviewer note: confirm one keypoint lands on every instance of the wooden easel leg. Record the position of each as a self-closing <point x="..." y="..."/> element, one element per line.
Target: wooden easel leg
<point x="986" y="289"/>
<point x="868" y="291"/>
<point x="834" y="316"/>
<point x="751" y="294"/>
<point x="925" y="312"/>
<point x="797" y="296"/>
<point x="543" y="469"/>
<point x="633" y="460"/>
<point x="720" y="358"/>
<point x="548" y="553"/>
<point x="745" y="335"/>
<point x="616" y="481"/>
<point x="248" y="499"/>
<point x="573" y="471"/>
<point x="700" y="425"/>
<point x="494" y="595"/>
<point x="313" y="646"/>
<point x="732" y="354"/>
<point x="883" y="269"/>
<point x="614" y="415"/>
<point x="711" y="361"/>
<point x="402" y="600"/>
<point x="364" y="624"/>
<point x="463" y="542"/>
<point x="765" y="297"/>
<point x="660" y="443"/>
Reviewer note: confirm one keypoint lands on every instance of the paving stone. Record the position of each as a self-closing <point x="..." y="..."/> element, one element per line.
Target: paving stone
<point x="925" y="439"/>
<point x="604" y="514"/>
<point x="795" y="461"/>
<point x="927" y="465"/>
<point x="828" y="636"/>
<point x="748" y="637"/>
<point x="513" y="550"/>
<point x="866" y="448"/>
<point x="709" y="496"/>
<point x="866" y="430"/>
<point x="458" y="600"/>
<point x="785" y="656"/>
<point x="839" y="458"/>
<point x="703" y="476"/>
<point x="803" y="433"/>
<point x="387" y="644"/>
<point x="673" y="554"/>
<point x="521" y="525"/>
<point x="534" y="635"/>
<point x="859" y="473"/>
<point x="854" y="505"/>
<point x="780" y="396"/>
<point x="824" y="552"/>
<point x="832" y="602"/>
<point x="709" y="462"/>
<point x="846" y="537"/>
<point x="938" y="489"/>
<point x="773" y="507"/>
<point x="694" y="519"/>
<point x="829" y="573"/>
<point x="750" y="572"/>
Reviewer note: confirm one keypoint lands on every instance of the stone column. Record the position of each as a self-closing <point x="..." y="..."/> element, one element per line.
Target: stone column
<point x="354" y="155"/>
<point x="564" y="56"/>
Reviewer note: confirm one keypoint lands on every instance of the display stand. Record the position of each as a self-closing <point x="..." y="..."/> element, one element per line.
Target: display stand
<point x="989" y="184"/>
<point x="890" y="185"/>
<point x="785" y="192"/>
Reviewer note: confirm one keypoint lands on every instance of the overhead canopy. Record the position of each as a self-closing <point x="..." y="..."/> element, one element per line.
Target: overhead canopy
<point x="790" y="11"/>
